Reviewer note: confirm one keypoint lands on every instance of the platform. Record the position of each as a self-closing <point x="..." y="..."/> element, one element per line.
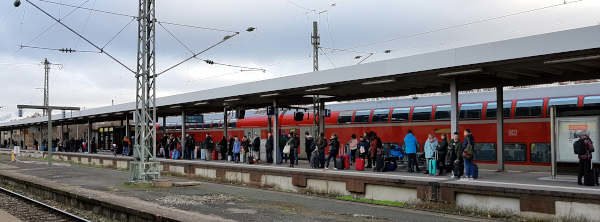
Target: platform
<point x="206" y="201"/>
<point x="518" y="192"/>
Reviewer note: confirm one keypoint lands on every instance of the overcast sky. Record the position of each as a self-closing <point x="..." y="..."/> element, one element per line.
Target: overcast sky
<point x="280" y="44"/>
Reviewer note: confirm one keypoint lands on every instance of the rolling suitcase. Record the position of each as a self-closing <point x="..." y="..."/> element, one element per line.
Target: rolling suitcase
<point x="360" y="164"/>
<point x="432" y="166"/>
<point x="339" y="163"/>
<point x="346" y="158"/>
<point x="215" y="155"/>
<point x="589" y="177"/>
<point x="390" y="165"/>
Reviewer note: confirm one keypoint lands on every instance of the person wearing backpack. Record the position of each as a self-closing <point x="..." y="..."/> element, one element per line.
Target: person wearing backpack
<point x="467" y="154"/>
<point x="441" y="150"/>
<point x="584" y="149"/>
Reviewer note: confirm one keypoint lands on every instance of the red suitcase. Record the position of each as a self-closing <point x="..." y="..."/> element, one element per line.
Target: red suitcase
<point x="346" y="159"/>
<point x="215" y="155"/>
<point x="360" y="164"/>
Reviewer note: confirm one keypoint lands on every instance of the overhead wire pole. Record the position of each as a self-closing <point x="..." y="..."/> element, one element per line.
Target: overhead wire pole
<point x="145" y="167"/>
<point x="318" y="106"/>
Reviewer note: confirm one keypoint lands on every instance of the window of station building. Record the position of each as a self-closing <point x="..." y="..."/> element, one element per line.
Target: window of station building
<point x="400" y="114"/>
<point x="485" y="152"/>
<point x="540" y="152"/>
<point x="362" y="116"/>
<point x="529" y="108"/>
<point x="516" y="152"/>
<point x="570" y="102"/>
<point x="492" y="106"/>
<point x="589" y="101"/>
<point x="422" y="113"/>
<point x="381" y="115"/>
<point x="345" y="117"/>
<point x="470" y="111"/>
<point x="442" y="112"/>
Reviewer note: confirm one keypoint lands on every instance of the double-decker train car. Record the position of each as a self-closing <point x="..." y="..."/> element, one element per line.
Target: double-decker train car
<point x="526" y="113"/>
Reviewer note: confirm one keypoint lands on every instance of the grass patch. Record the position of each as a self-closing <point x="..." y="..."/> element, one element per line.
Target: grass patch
<point x="132" y="185"/>
<point x="371" y="201"/>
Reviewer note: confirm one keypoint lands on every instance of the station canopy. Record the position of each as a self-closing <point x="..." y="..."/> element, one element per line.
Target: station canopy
<point x="568" y="55"/>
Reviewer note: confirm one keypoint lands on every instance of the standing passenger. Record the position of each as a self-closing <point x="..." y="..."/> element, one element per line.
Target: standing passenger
<point x="334" y="147"/>
<point x="321" y="143"/>
<point x="269" y="147"/>
<point x="467" y="154"/>
<point x="353" y="144"/>
<point x="430" y="148"/>
<point x="585" y="155"/>
<point x="237" y="146"/>
<point x="292" y="142"/>
<point x="441" y="154"/>
<point x="309" y="145"/>
<point x="410" y="143"/>
<point x="223" y="148"/>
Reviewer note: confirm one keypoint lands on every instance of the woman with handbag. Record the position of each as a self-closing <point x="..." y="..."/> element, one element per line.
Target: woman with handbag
<point x="467" y="154"/>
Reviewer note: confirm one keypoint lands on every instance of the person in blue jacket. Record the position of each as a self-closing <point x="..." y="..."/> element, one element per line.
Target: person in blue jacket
<point x="430" y="147"/>
<point x="237" y="146"/>
<point x="410" y="148"/>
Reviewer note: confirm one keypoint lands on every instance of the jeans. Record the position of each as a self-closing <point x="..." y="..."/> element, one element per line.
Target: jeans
<point x="321" y="158"/>
<point x="413" y="164"/>
<point x="469" y="168"/>
<point x="332" y="155"/>
<point x="236" y="157"/>
<point x="125" y="150"/>
<point x="352" y="155"/>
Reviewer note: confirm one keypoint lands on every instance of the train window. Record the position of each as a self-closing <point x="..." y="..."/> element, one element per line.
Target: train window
<point x="562" y="103"/>
<point x="515" y="152"/>
<point x="591" y="101"/>
<point x="540" y="152"/>
<point x="485" y="151"/>
<point x="529" y="108"/>
<point x="422" y="113"/>
<point x="345" y="117"/>
<point x="381" y="115"/>
<point x="400" y="114"/>
<point x="362" y="116"/>
<point x="442" y="112"/>
<point x="470" y="111"/>
<point x="491" y="109"/>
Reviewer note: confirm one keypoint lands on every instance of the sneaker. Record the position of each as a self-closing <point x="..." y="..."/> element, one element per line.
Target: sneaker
<point x="335" y="169"/>
<point x="470" y="179"/>
<point x="452" y="177"/>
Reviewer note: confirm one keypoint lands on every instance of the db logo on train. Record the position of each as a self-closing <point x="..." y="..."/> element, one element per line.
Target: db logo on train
<point x="513" y="132"/>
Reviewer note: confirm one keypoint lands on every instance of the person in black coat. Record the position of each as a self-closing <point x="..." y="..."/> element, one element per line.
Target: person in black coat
<point x="223" y="148"/>
<point x="309" y="145"/>
<point x="334" y="148"/>
<point x="441" y="150"/>
<point x="269" y="148"/>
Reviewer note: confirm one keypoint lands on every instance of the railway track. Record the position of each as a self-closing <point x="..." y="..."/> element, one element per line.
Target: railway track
<point x="28" y="209"/>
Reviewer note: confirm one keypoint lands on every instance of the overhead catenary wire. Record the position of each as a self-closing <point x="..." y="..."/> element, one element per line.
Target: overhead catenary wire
<point x="134" y="16"/>
<point x="65" y="50"/>
<point x="461" y="25"/>
<point x="54" y="24"/>
<point x="176" y="39"/>
<point x="81" y="36"/>
<point x="118" y="33"/>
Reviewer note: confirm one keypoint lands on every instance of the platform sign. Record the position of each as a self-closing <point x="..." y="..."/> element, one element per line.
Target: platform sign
<point x="569" y="128"/>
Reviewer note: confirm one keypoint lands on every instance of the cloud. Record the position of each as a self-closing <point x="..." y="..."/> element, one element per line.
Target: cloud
<point x="280" y="44"/>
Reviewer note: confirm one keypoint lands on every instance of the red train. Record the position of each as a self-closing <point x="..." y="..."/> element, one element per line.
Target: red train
<point x="526" y="129"/>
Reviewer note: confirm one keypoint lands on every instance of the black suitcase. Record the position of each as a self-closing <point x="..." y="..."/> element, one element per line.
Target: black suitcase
<point x="339" y="163"/>
<point x="390" y="165"/>
<point x="589" y="178"/>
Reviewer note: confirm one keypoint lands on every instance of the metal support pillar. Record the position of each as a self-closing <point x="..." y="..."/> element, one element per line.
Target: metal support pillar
<point x="453" y="106"/>
<point x="183" y="132"/>
<point x="553" y="142"/>
<point x="89" y="136"/>
<point x="50" y="136"/>
<point x="127" y="125"/>
<point x="225" y="128"/>
<point x="275" y="133"/>
<point x="321" y="118"/>
<point x="500" y="127"/>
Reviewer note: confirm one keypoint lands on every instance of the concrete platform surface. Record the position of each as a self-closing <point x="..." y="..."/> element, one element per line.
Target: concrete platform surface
<point x="212" y="200"/>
